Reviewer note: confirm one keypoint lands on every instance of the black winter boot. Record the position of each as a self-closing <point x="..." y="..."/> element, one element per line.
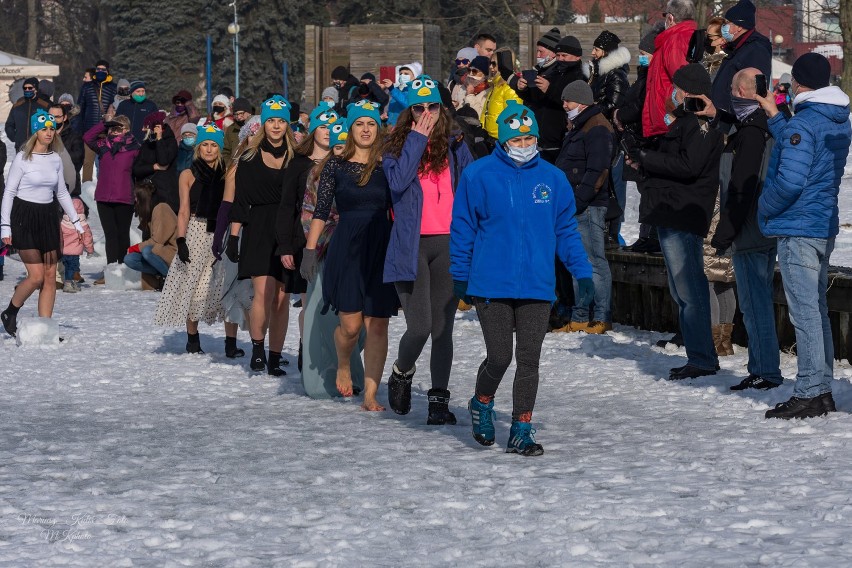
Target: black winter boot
<point x="273" y="367"/>
<point x="399" y="390"/>
<point x="193" y="343"/>
<point x="439" y="411"/>
<point x="9" y="318"/>
<point x="231" y="349"/>
<point x="258" y="356"/>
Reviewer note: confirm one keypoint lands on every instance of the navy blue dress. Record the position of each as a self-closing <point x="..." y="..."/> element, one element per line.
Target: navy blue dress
<point x="354" y="263"/>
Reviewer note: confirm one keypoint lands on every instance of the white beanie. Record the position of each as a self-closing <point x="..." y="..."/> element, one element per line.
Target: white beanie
<point x="222" y="99"/>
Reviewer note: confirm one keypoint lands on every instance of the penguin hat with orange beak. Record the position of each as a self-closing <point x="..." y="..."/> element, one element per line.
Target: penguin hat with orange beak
<point x="275" y="107"/>
<point x="423" y="90"/>
<point x="322" y="116"/>
<point x="516" y="120"/>
<point x="41" y="119"/>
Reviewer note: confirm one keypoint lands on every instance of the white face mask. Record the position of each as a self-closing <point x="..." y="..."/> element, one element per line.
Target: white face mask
<point x="403" y="79"/>
<point x="522" y="155"/>
<point x="572" y="114"/>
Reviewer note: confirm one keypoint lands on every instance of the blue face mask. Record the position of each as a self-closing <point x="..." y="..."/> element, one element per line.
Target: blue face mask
<point x="29" y="94"/>
<point x="189" y="141"/>
<point x="644" y="61"/>
<point x="674" y="97"/>
<point x="726" y="33"/>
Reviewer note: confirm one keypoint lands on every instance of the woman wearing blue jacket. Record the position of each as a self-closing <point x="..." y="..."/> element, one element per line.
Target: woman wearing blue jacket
<point x="422" y="162"/>
<point x="513" y="212"/>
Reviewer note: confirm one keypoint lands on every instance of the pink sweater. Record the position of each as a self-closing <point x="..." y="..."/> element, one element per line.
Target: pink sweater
<point x="437" y="203"/>
<point x="73" y="243"/>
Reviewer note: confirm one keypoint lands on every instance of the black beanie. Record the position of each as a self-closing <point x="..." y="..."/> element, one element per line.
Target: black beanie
<point x="742" y="14"/>
<point x="31" y="81"/>
<point x="812" y="70"/>
<point x="340" y="73"/>
<point x="102" y="62"/>
<point x="481" y="63"/>
<point x="550" y="40"/>
<point x="369" y="76"/>
<point x="607" y="41"/>
<point x="242" y="104"/>
<point x="571" y="45"/>
<point x="693" y="79"/>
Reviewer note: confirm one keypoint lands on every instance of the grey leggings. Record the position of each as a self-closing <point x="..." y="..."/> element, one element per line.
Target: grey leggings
<point x="723" y="302"/>
<point x="499" y="319"/>
<point x="429" y="309"/>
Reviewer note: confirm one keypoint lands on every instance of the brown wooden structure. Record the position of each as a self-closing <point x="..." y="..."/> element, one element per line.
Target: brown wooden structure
<point x="366" y="48"/>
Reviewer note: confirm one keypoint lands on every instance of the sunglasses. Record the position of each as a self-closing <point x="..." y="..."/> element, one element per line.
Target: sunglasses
<point x="431" y="107"/>
<point x="29" y="88"/>
<point x="462" y="62"/>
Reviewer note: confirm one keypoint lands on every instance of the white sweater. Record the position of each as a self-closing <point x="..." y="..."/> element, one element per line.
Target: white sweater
<point x="36" y="181"/>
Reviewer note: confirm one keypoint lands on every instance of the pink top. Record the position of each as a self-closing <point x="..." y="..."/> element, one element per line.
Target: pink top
<point x="437" y="203"/>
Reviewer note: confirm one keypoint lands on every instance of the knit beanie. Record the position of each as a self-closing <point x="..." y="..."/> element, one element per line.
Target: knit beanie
<point x="188" y="128"/>
<point x="46" y="88"/>
<point x="424" y="89"/>
<point x="241" y="104"/>
<point x="322" y="116"/>
<point x="468" y="53"/>
<point x="138" y="84"/>
<point x="571" y="45"/>
<point x="123" y="84"/>
<point x="742" y="14"/>
<point x="607" y="41"/>
<point x="551" y="39"/>
<point x="364" y="108"/>
<point x="812" y="70"/>
<point x="515" y="120"/>
<point x="481" y="63"/>
<point x="212" y="132"/>
<point x="330" y="92"/>
<point x="223" y="100"/>
<point x="646" y="44"/>
<point x="340" y="73"/>
<point x="66" y="98"/>
<point x="32" y="81"/>
<point x="369" y="76"/>
<point x="693" y="79"/>
<point x="275" y="107"/>
<point x="578" y="92"/>
<point x="337" y="134"/>
<point x="41" y="119"/>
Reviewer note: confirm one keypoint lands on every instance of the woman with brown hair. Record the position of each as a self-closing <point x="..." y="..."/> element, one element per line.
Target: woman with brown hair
<point x="153" y="256"/>
<point x="713" y="46"/>
<point x="423" y="164"/>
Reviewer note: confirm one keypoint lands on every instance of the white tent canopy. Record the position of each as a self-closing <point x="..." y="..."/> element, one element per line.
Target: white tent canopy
<point x="14" y="67"/>
<point x="779" y="68"/>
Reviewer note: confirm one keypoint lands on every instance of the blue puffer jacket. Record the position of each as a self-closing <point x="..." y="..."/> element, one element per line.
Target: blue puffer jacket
<point x="799" y="196"/>
<point x="407" y="199"/>
<point x="509" y="223"/>
<point x="94" y="100"/>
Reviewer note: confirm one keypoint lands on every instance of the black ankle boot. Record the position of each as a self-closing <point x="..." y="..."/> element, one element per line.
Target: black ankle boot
<point x="193" y="343"/>
<point x="258" y="356"/>
<point x="399" y="390"/>
<point x="231" y="349"/>
<point x="9" y="319"/>
<point x="272" y="368"/>
<point x="299" y="360"/>
<point x="439" y="411"/>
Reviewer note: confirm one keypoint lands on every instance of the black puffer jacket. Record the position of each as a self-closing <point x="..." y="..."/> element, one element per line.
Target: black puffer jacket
<point x="73" y="142"/>
<point x="609" y="80"/>
<point x="163" y="152"/>
<point x="586" y="157"/>
<point x="18" y="123"/>
<point x="682" y="176"/>
<point x="94" y="100"/>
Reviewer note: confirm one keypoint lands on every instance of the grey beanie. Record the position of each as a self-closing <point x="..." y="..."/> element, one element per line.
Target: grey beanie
<point x="550" y="40"/>
<point x="578" y="92"/>
<point x="331" y="93"/>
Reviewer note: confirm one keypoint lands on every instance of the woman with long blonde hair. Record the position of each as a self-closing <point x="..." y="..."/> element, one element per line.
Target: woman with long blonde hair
<point x="28" y="219"/>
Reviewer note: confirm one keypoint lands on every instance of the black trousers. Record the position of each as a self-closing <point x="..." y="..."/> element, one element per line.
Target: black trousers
<point x="115" y="220"/>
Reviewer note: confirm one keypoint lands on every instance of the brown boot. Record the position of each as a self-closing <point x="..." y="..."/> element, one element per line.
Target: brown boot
<point x="149" y="282"/>
<point x="717" y="340"/>
<point x="725" y="330"/>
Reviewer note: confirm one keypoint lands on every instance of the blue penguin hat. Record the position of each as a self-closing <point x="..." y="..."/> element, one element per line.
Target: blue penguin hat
<point x="275" y="107"/>
<point x="212" y="132"/>
<point x="322" y="116"/>
<point x="337" y="134"/>
<point x="516" y="120"/>
<point x="361" y="109"/>
<point x="423" y="89"/>
<point x="41" y="119"/>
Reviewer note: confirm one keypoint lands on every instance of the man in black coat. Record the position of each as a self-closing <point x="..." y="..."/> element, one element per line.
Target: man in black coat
<point x="347" y="88"/>
<point x="18" y="123"/>
<point x="137" y="108"/>
<point x="73" y="143"/>
<point x="743" y="170"/>
<point x="746" y="48"/>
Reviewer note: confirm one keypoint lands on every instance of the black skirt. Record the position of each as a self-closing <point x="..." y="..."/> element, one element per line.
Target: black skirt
<point x="293" y="281"/>
<point x="36" y="230"/>
<point x="258" y="244"/>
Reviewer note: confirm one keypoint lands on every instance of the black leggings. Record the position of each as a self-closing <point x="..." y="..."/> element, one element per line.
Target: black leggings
<point x="499" y="319"/>
<point x="115" y="220"/>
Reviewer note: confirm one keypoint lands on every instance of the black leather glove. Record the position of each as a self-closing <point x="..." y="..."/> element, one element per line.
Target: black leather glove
<point x="232" y="249"/>
<point x="183" y="250"/>
<point x="308" y="267"/>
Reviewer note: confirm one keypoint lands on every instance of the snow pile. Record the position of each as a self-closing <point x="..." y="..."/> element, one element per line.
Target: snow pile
<point x="121" y="277"/>
<point x="37" y="331"/>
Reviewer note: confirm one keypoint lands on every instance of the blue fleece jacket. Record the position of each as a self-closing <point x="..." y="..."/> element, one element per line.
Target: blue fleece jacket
<point x="509" y="223"/>
<point x="398" y="103"/>
<point x="407" y="199"/>
<point x="799" y="197"/>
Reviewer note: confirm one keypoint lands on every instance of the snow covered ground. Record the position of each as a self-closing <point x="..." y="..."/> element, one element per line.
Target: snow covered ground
<point x="117" y="449"/>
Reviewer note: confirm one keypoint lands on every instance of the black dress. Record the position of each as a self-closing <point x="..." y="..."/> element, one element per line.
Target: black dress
<point x="290" y="235"/>
<point x="258" y="194"/>
<point x="352" y="276"/>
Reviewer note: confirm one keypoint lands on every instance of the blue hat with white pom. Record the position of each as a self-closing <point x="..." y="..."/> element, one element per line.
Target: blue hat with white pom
<point x="516" y="120"/>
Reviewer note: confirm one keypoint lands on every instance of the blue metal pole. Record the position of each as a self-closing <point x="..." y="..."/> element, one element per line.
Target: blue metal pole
<point x="209" y="73"/>
<point x="284" y="68"/>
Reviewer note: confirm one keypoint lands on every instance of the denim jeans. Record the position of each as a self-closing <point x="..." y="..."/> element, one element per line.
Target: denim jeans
<point x="620" y="189"/>
<point x="755" y="271"/>
<point x="804" y="271"/>
<point x="71" y="262"/>
<point x="147" y="262"/>
<point x="684" y="256"/>
<point x="592" y="228"/>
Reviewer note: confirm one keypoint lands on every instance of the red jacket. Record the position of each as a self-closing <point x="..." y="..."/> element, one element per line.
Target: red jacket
<point x="669" y="56"/>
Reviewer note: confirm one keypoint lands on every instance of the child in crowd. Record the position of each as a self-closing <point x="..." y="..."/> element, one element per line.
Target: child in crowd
<point x="73" y="245"/>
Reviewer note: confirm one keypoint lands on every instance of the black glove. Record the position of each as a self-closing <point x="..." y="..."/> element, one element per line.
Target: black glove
<point x="232" y="249"/>
<point x="308" y="266"/>
<point x="183" y="250"/>
<point x="630" y="146"/>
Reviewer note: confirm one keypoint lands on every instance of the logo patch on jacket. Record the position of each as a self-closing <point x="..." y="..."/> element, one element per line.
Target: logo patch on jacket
<point x="541" y="193"/>
<point x="795" y="139"/>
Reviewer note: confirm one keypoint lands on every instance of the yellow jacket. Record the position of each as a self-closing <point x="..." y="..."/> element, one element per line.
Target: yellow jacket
<point x="499" y="93"/>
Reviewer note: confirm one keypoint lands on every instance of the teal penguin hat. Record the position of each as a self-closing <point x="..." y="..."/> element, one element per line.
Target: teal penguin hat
<point x="41" y="119"/>
<point x="423" y="89"/>
<point x="322" y="116"/>
<point x="337" y="134"/>
<point x="275" y="107"/>
<point x="212" y="132"/>
<point x="516" y="120"/>
<point x="362" y="109"/>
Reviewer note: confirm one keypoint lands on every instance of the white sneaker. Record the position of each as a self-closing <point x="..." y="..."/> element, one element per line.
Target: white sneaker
<point x="70" y="287"/>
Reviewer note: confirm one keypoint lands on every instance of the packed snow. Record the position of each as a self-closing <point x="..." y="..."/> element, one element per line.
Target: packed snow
<point x="118" y="449"/>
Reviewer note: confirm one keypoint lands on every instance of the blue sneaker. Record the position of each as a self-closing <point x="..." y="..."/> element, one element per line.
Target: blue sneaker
<point x="482" y="418"/>
<point x="522" y="441"/>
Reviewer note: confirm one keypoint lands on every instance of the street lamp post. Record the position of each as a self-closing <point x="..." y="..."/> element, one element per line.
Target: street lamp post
<point x="779" y="39"/>
<point x="234" y="29"/>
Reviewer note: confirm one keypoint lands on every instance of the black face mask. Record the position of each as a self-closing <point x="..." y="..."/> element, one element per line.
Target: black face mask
<point x="218" y="109"/>
<point x="124" y="92"/>
<point x="563" y="66"/>
<point x="240" y="122"/>
<point x="709" y="48"/>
